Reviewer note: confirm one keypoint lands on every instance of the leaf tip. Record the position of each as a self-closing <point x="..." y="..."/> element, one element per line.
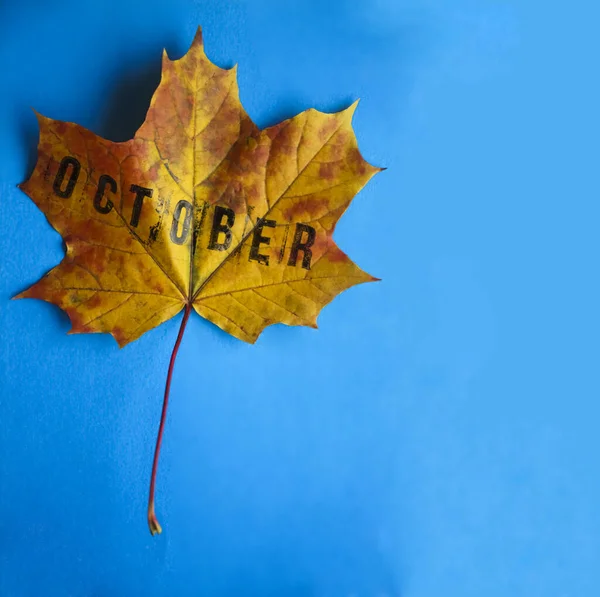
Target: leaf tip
<point x="349" y="111"/>
<point x="40" y="117"/>
<point x="27" y="293"/>
<point x="198" y="38"/>
<point x="120" y="337"/>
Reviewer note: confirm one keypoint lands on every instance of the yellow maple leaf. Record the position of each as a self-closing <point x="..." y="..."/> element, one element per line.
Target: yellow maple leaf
<point x="202" y="210"/>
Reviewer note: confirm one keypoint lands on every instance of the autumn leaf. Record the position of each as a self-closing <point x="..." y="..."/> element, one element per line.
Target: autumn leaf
<point x="200" y="210"/>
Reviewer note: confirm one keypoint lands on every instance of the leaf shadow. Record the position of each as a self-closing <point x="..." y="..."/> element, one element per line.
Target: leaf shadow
<point x="54" y="313"/>
<point x="130" y="93"/>
<point x="128" y="102"/>
<point x="30" y="132"/>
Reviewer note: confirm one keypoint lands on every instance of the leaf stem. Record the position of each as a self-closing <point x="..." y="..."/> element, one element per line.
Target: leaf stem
<point x="155" y="528"/>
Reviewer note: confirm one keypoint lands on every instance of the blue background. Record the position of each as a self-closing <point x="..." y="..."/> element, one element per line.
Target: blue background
<point x="439" y="436"/>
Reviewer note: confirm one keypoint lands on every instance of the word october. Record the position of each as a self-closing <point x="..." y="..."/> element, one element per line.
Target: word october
<point x="222" y="222"/>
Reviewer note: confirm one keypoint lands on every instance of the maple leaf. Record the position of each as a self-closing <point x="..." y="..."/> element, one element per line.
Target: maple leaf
<point x="200" y="210"/>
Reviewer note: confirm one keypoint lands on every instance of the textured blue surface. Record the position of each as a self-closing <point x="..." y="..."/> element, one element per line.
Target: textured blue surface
<point x="439" y="436"/>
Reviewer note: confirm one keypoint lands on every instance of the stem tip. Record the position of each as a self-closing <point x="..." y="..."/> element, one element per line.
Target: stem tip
<point x="155" y="528"/>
